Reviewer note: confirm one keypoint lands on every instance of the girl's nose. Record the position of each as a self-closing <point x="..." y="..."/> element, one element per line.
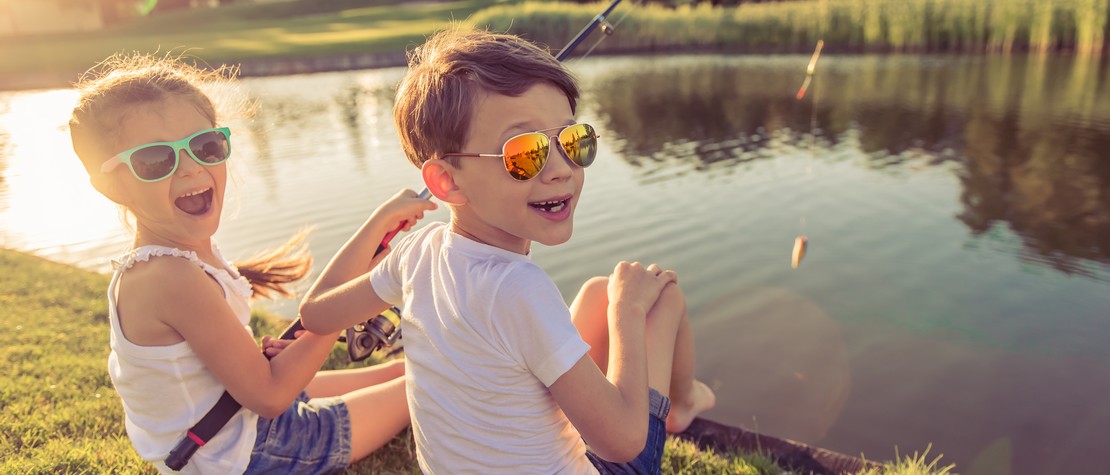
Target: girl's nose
<point x="186" y="165"/>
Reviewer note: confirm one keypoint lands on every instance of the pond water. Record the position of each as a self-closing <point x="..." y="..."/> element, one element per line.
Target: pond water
<point x="956" y="291"/>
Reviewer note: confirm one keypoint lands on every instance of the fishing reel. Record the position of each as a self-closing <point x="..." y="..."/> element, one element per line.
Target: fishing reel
<point x="607" y="27"/>
<point x="367" y="337"/>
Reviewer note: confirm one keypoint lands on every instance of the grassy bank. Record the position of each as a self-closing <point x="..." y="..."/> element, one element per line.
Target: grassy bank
<point x="60" y="414"/>
<point x="245" y="32"/>
<point x="241" y="32"/>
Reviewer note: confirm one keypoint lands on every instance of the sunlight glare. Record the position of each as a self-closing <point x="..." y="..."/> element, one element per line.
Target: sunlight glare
<point x="46" y="202"/>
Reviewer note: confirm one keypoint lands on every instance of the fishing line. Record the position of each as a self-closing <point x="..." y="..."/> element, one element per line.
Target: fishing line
<point x="801" y="243"/>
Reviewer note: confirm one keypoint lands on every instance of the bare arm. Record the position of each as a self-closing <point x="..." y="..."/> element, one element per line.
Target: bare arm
<point x="174" y="293"/>
<point x="610" y="410"/>
<point x="343" y="296"/>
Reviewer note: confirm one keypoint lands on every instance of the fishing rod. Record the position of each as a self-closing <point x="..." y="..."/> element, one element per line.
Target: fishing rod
<point x="362" y="339"/>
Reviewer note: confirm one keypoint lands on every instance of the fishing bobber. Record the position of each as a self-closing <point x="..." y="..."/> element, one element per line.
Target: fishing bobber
<point x="800" y="245"/>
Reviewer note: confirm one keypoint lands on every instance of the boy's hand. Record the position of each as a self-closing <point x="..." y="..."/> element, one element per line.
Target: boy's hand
<point x="639" y="286"/>
<point x="403" y="210"/>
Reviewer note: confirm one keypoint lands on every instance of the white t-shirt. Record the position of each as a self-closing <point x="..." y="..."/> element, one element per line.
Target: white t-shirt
<point x="167" y="389"/>
<point x="486" y="332"/>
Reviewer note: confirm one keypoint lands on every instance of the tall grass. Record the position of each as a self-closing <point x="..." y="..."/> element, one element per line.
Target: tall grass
<point x="847" y="25"/>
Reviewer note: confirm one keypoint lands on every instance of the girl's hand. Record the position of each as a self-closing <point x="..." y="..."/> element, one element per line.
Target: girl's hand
<point x="272" y="346"/>
<point x="639" y="286"/>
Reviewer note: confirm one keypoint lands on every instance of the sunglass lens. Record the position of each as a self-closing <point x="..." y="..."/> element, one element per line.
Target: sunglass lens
<point x="210" y="147"/>
<point x="579" y="142"/>
<point x="153" y="163"/>
<point x="525" y="155"/>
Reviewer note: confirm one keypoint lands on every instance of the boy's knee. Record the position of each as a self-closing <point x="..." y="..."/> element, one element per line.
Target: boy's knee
<point x="596" y="287"/>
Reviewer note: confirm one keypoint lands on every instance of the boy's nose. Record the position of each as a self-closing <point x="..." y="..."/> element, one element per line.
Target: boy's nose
<point x="558" y="166"/>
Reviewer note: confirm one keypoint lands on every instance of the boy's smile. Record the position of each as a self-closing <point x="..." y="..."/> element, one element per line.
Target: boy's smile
<point x="498" y="209"/>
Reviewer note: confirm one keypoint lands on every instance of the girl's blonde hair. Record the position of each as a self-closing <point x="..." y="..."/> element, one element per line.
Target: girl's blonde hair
<point x="121" y="82"/>
<point x="447" y="76"/>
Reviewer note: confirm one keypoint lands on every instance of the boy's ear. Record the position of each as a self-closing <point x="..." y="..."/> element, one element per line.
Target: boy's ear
<point x="439" y="178"/>
<point x="108" y="187"/>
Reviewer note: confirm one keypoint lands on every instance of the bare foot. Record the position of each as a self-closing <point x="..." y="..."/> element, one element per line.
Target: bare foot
<point x="682" y="414"/>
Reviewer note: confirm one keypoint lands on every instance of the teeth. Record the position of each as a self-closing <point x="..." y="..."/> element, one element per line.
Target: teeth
<point x="194" y="193"/>
<point x="550" y="206"/>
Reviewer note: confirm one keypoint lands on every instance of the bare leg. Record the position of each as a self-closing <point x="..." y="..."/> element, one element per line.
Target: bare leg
<point x="670" y="341"/>
<point x="662" y="325"/>
<point x="378" y="413"/>
<point x="342" y="381"/>
<point x="589" y="312"/>
<point x="689" y="397"/>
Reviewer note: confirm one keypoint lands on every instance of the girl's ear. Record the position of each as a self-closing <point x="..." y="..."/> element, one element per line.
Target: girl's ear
<point x="438" y="177"/>
<point x="108" y="187"/>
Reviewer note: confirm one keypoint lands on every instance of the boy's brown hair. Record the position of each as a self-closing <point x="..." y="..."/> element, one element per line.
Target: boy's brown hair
<point x="448" y="75"/>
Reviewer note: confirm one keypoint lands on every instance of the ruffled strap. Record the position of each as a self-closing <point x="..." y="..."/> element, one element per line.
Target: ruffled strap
<point x="230" y="279"/>
<point x="143" y="254"/>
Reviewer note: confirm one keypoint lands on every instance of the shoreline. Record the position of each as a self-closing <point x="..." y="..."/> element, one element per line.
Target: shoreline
<point x="264" y="67"/>
<point x="709" y="434"/>
<point x="249" y="68"/>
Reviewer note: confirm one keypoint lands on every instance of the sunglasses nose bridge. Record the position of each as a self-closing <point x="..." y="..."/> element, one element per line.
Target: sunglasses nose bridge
<point x="557" y="163"/>
<point x="186" y="164"/>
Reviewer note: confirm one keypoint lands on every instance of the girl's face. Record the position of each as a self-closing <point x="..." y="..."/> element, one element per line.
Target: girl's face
<point x="182" y="210"/>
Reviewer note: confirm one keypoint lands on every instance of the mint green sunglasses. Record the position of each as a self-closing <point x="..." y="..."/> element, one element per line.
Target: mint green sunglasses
<point x="156" y="161"/>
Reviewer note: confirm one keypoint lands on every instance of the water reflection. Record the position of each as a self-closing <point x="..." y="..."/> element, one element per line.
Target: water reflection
<point x="1026" y="136"/>
<point x="954" y="291"/>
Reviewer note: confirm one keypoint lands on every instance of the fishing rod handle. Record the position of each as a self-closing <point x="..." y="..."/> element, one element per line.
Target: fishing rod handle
<point x="424" y="194"/>
<point x="181" y="453"/>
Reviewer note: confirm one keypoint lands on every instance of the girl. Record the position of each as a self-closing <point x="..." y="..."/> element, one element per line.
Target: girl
<point x="151" y="142"/>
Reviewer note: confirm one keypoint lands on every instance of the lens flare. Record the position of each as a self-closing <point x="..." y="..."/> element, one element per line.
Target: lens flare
<point x="147" y="6"/>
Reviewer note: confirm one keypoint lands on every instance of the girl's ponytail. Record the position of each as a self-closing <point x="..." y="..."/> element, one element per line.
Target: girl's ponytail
<point x="271" y="270"/>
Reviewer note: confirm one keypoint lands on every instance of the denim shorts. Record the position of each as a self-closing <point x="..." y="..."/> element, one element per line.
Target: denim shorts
<point x="650" y="459"/>
<point x="312" y="436"/>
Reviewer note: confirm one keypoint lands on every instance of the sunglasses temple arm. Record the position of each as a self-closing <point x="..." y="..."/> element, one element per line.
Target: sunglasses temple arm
<point x="110" y="164"/>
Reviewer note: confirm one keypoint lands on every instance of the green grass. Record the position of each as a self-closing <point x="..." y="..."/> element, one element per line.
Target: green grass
<point x="241" y="32"/>
<point x="60" y="414"/>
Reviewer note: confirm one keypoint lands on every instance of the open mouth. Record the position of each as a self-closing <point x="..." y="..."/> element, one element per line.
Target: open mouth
<point x="195" y="203"/>
<point x="552" y="206"/>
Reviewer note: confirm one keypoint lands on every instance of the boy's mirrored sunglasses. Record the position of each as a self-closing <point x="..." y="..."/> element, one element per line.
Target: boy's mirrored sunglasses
<point x="158" y="160"/>
<point x="526" y="154"/>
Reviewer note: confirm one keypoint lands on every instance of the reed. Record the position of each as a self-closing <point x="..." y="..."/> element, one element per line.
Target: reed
<point x="1002" y="26"/>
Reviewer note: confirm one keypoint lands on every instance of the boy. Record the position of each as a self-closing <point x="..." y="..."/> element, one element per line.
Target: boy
<point x="503" y="377"/>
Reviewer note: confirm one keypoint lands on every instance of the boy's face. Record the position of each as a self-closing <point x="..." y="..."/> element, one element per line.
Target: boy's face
<point x="500" y="210"/>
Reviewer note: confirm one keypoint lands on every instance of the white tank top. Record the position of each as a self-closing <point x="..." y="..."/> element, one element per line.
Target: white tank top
<point x="167" y="389"/>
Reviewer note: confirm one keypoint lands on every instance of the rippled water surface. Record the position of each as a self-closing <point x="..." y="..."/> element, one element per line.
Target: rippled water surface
<point x="957" y="286"/>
